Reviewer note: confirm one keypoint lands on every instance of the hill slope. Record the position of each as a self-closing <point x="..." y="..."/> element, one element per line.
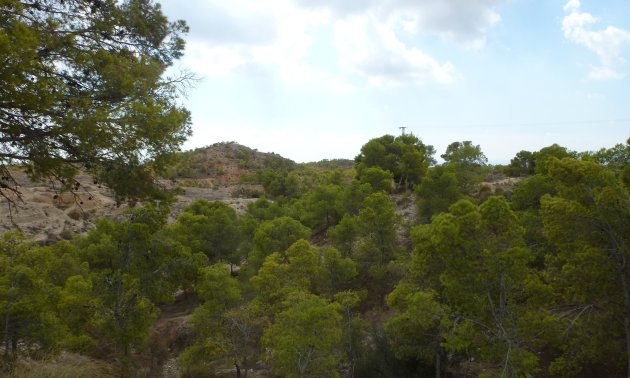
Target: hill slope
<point x="213" y="173"/>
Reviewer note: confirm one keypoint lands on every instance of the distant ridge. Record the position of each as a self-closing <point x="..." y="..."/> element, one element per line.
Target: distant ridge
<point x="227" y="163"/>
<point x="224" y="163"/>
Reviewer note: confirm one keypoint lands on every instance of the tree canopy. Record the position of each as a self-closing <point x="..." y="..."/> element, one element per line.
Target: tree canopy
<point x="405" y="156"/>
<point x="341" y="278"/>
<point x="82" y="87"/>
<point x="464" y="153"/>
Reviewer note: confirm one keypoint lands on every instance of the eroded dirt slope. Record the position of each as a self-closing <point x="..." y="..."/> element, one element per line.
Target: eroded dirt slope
<point x="46" y="216"/>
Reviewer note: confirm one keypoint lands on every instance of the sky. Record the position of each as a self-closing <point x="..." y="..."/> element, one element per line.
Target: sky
<point x="317" y="79"/>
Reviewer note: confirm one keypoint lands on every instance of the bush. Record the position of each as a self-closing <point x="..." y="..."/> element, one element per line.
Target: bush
<point x="66" y="365"/>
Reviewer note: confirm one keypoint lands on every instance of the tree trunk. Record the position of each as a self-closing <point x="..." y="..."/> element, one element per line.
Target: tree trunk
<point x="14" y="346"/>
<point x="238" y="370"/>
<point x="6" y="336"/>
<point x="626" y="320"/>
<point x="626" y="328"/>
<point x="437" y="365"/>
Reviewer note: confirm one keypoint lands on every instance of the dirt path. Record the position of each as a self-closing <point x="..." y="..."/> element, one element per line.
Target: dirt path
<point x="169" y="336"/>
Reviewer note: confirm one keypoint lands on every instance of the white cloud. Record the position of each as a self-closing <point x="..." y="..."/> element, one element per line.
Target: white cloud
<point x="370" y="48"/>
<point x="339" y="8"/>
<point x="463" y="21"/>
<point x="604" y="73"/>
<point x="239" y="22"/>
<point x="572" y="6"/>
<point x="212" y="61"/>
<point x="266" y="37"/>
<point x="606" y="43"/>
<point x="278" y="38"/>
<point x="369" y="39"/>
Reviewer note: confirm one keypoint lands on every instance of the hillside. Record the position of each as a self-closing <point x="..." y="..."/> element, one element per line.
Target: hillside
<point x="358" y="259"/>
<point x="223" y="171"/>
<point x="212" y="173"/>
<point x="225" y="163"/>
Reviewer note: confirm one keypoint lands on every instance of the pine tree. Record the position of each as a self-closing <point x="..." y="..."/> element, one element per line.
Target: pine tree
<point x="82" y="87"/>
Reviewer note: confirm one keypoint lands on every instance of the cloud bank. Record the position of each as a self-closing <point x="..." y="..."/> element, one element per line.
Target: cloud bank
<point x="378" y="42"/>
<point x="606" y="43"/>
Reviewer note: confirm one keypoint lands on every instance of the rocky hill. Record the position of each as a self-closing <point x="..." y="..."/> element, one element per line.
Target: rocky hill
<point x="47" y="215"/>
<point x="214" y="173"/>
<point x="226" y="163"/>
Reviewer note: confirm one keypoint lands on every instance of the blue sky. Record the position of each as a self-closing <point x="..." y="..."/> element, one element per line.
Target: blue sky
<point x="316" y="79"/>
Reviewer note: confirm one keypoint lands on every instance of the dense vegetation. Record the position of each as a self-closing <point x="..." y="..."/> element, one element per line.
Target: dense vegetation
<point x="334" y="282"/>
<point x="322" y="276"/>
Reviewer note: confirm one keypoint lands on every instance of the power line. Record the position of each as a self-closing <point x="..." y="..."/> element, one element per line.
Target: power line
<point x="544" y="123"/>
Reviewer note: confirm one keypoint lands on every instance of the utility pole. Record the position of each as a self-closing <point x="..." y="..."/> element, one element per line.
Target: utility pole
<point x="403" y="130"/>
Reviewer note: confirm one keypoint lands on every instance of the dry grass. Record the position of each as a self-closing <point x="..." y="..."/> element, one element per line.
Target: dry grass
<point x="66" y="365"/>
